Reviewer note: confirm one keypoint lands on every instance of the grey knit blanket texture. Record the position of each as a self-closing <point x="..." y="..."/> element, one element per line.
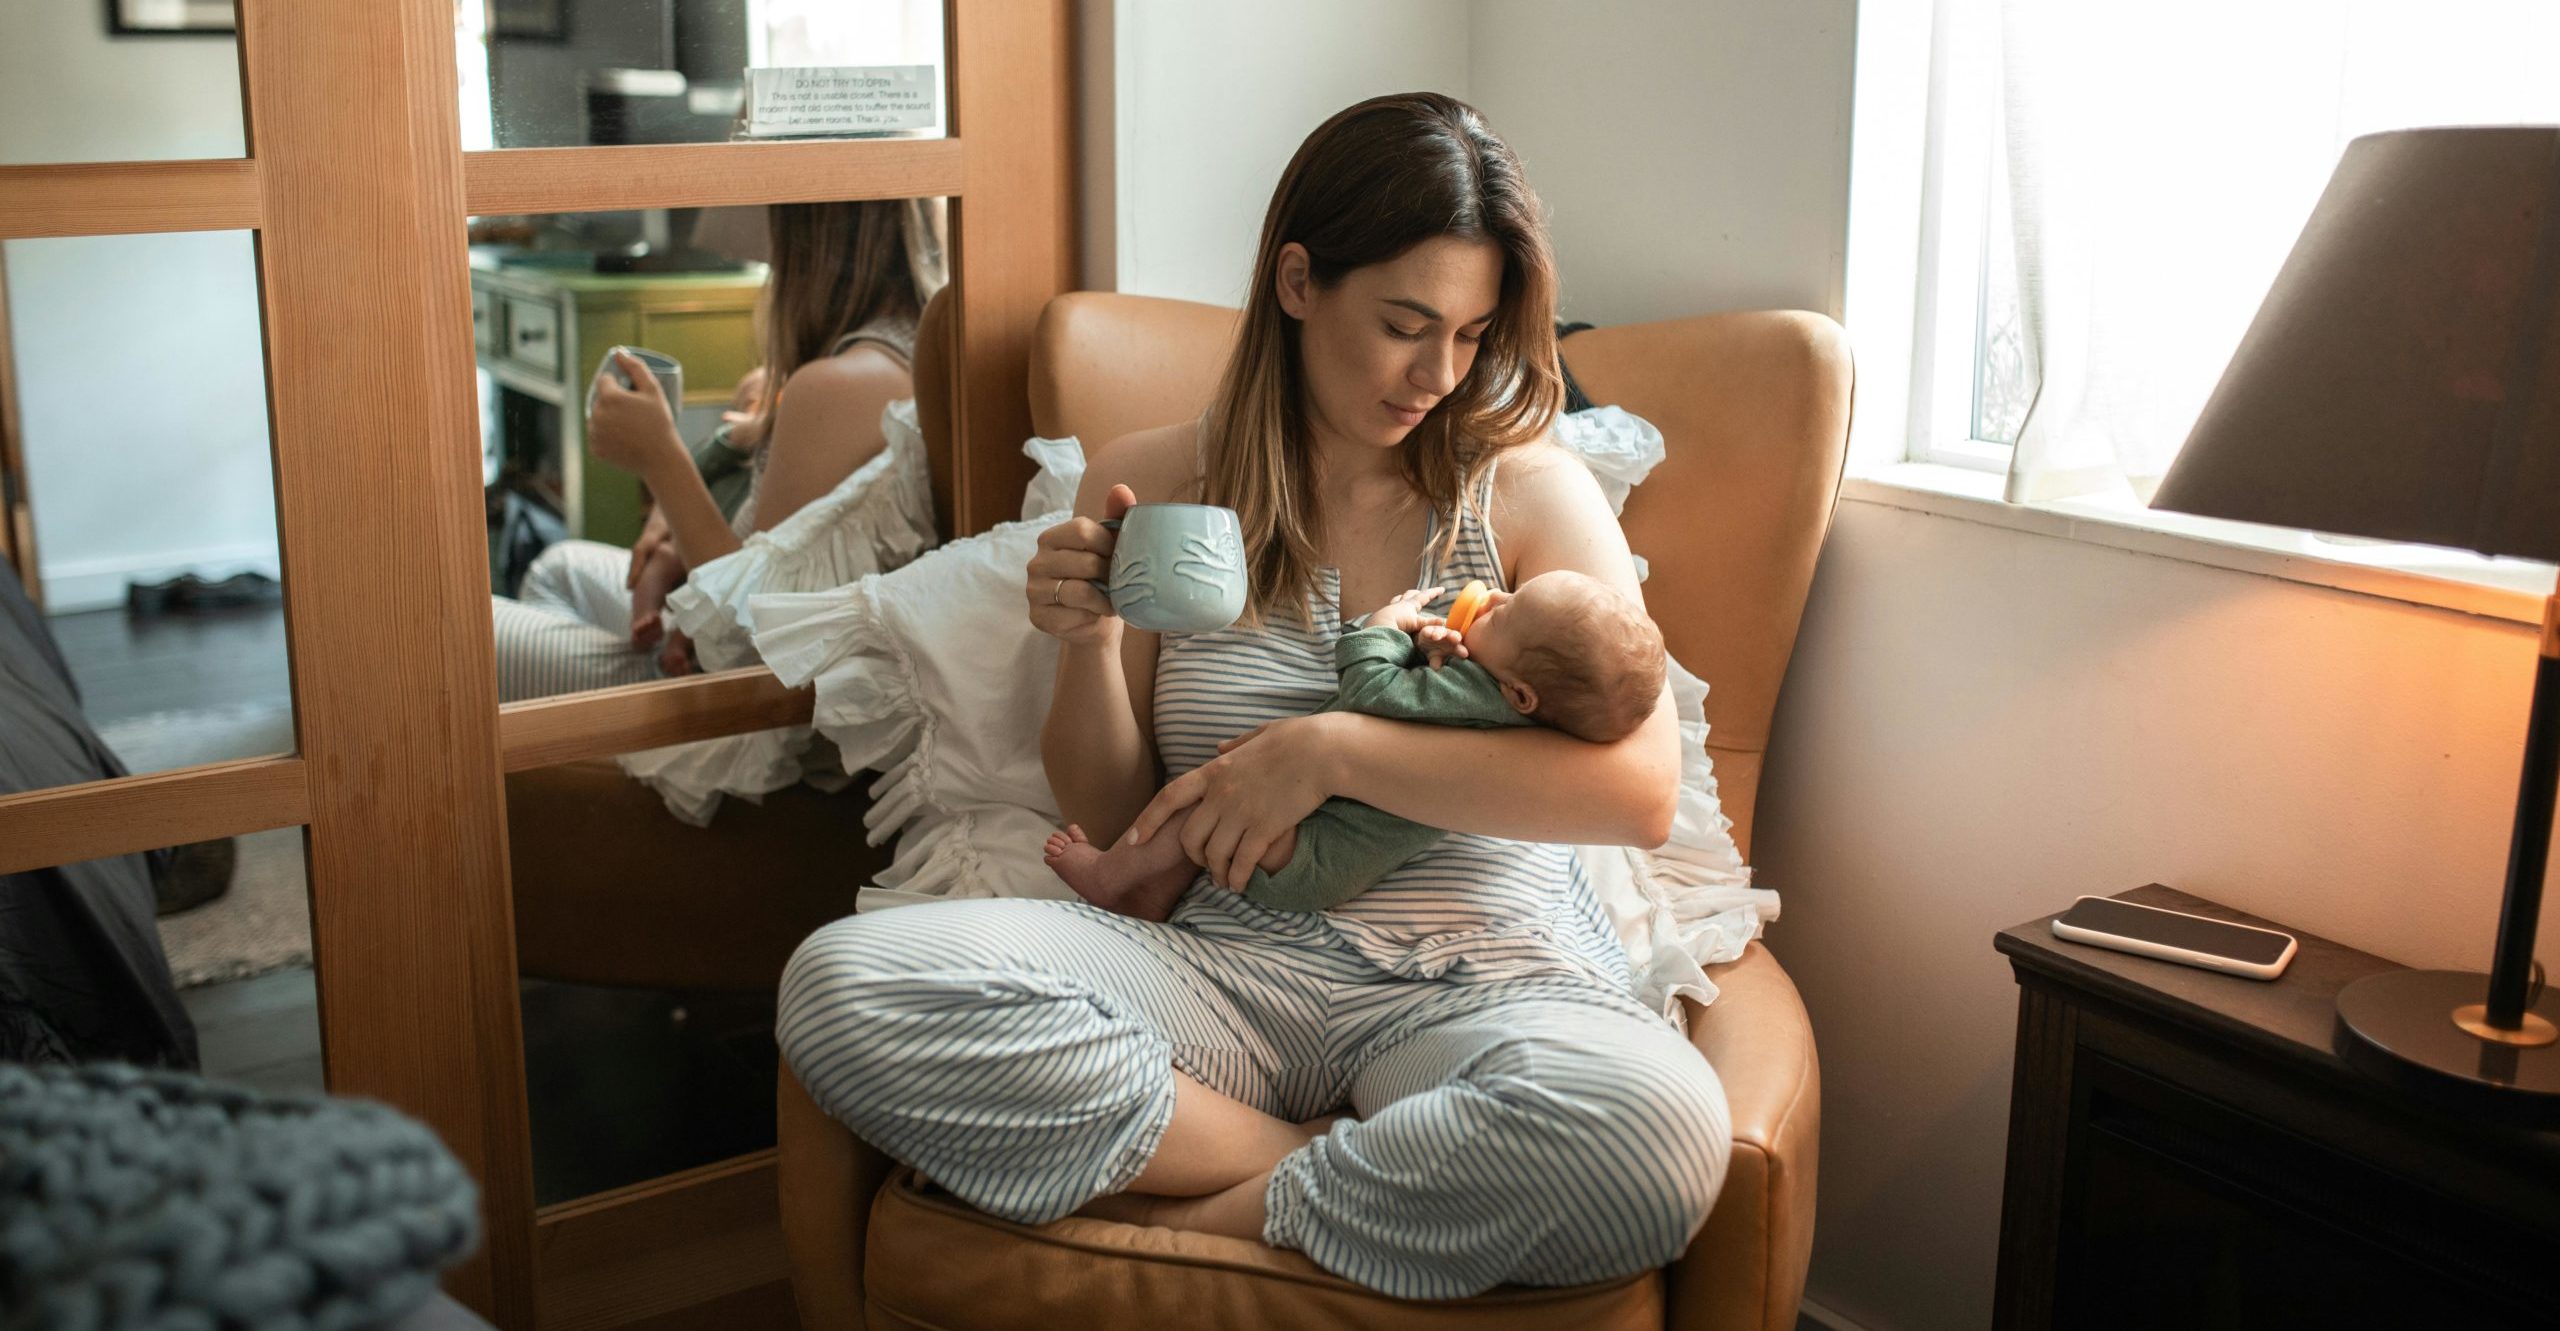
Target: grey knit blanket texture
<point x="157" y="1201"/>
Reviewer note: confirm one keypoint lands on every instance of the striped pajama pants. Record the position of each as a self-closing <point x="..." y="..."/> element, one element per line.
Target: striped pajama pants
<point x="1541" y="1129"/>
<point x="570" y="628"/>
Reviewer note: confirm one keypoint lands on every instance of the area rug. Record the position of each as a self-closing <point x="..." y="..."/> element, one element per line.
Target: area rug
<point x="264" y="922"/>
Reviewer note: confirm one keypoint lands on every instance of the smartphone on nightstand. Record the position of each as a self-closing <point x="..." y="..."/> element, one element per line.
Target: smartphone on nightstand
<point x="2171" y="935"/>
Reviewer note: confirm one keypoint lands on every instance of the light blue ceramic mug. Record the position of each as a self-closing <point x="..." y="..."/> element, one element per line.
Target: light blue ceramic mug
<point x="1178" y="568"/>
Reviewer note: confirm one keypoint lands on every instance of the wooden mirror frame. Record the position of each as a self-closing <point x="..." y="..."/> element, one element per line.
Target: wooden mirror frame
<point x="357" y="188"/>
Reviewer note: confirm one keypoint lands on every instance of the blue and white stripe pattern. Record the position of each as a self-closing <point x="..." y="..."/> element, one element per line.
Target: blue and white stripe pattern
<point x="1521" y="1118"/>
<point x="570" y="629"/>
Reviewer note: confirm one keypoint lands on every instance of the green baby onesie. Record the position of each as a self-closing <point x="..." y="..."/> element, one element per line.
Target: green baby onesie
<point x="1345" y="846"/>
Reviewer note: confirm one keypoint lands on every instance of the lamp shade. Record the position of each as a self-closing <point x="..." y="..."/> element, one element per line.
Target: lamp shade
<point x="2402" y="380"/>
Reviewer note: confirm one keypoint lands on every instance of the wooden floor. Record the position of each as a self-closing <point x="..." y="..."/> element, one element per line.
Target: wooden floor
<point x="622" y="1085"/>
<point x="131" y="666"/>
<point x="264" y="1030"/>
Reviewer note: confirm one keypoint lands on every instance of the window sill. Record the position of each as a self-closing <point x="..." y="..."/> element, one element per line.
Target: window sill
<point x="2510" y="589"/>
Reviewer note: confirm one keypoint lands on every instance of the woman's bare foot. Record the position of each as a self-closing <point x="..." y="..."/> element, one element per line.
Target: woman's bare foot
<point x="1128" y="879"/>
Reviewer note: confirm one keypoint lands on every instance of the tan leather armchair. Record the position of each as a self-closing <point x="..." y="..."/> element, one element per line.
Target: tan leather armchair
<point x="1755" y="409"/>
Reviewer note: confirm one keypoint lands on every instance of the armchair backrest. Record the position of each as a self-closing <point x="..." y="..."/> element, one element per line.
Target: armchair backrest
<point x="1754" y="412"/>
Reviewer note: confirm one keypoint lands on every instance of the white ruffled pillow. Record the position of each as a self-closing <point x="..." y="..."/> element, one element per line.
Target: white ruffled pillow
<point x="1688" y="903"/>
<point x="876" y="519"/>
<point x="933" y="676"/>
<point x="1619" y="447"/>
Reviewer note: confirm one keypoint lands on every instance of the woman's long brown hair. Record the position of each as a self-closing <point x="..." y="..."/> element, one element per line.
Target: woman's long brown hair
<point x="1369" y="184"/>
<point x="835" y="267"/>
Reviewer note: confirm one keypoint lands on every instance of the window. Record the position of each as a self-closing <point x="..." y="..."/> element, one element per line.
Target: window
<point x="2064" y="217"/>
<point x="2170" y="153"/>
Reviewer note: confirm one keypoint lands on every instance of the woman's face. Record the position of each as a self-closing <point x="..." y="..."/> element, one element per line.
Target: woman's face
<point x="1384" y="345"/>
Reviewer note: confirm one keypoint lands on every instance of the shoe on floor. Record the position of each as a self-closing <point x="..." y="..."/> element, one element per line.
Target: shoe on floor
<point x="187" y="593"/>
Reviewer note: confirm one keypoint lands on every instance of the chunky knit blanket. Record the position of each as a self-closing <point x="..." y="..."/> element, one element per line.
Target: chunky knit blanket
<point x="162" y="1202"/>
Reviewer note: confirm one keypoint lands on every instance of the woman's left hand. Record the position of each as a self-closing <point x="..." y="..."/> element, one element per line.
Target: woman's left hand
<point x="1262" y="784"/>
<point x="631" y="427"/>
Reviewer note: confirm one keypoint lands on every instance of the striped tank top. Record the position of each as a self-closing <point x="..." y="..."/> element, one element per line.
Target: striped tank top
<point x="1471" y="907"/>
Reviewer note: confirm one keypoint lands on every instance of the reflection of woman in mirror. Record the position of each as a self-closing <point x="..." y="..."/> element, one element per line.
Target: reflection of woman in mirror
<point x="830" y="497"/>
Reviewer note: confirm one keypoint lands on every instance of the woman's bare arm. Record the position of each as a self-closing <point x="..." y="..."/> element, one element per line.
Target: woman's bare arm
<point x="825" y="427"/>
<point x="1098" y="743"/>
<point x="633" y="428"/>
<point x="1505" y="783"/>
<point x="693" y="516"/>
<point x="1549" y="515"/>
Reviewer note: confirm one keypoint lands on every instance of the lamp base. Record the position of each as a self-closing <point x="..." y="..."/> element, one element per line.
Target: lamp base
<point x="2402" y="1027"/>
<point x="2530" y="1033"/>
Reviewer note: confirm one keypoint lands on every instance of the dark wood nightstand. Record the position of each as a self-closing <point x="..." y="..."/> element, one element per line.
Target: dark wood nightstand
<point x="2187" y="1150"/>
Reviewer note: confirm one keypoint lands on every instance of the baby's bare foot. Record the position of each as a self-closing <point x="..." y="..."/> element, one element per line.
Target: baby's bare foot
<point x="1113" y="879"/>
<point x="1059" y="842"/>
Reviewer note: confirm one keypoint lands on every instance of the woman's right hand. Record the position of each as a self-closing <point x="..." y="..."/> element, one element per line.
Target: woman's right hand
<point x="1059" y="581"/>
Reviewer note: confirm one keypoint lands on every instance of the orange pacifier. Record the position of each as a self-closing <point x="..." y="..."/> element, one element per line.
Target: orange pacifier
<point x="1470" y="603"/>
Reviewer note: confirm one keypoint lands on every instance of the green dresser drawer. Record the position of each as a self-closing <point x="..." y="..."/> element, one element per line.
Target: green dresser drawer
<point x="533" y="335"/>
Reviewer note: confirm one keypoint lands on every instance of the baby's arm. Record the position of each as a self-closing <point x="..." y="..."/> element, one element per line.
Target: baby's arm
<point x="1380" y="677"/>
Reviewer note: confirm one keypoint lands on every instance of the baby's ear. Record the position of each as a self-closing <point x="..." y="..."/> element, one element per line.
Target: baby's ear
<point x="1522" y="698"/>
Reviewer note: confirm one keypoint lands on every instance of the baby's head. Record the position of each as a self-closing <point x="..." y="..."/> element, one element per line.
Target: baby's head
<point x="1572" y="653"/>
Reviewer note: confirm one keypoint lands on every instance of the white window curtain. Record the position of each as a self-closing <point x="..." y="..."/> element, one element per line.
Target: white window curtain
<point x="2153" y="163"/>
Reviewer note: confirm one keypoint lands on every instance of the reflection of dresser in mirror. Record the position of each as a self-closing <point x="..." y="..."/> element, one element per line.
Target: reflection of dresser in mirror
<point x="539" y="333"/>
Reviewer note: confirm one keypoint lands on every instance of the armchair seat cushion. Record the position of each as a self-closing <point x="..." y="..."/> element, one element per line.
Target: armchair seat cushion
<point x="934" y="1262"/>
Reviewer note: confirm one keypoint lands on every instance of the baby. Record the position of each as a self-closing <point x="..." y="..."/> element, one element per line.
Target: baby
<point x="1565" y="650"/>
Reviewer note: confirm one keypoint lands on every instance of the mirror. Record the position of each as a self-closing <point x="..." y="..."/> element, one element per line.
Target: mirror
<point x="241" y="959"/>
<point x="563" y="73"/>
<point x="119" y="81"/>
<point x="222" y="979"/>
<point x="736" y="302"/>
<point x="144" y="612"/>
<point x="648" y="979"/>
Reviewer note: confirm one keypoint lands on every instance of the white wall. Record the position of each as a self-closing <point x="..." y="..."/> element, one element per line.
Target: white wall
<point x="1691" y="194"/>
<point x="142" y="393"/>
<point x="1692" y="156"/>
<point x="1211" y="100"/>
<point x="1980" y="724"/>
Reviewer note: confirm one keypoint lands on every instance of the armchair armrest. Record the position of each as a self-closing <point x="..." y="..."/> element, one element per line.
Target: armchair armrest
<point x="827" y="1179"/>
<point x="1745" y="1270"/>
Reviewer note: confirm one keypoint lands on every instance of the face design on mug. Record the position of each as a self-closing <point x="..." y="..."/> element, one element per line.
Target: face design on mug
<point x="1212" y="559"/>
<point x="1133" y="584"/>
<point x="1178" y="568"/>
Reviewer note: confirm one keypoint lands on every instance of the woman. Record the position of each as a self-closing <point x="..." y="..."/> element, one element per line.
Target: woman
<point x="838" y="321"/>
<point x="1519" y="1117"/>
